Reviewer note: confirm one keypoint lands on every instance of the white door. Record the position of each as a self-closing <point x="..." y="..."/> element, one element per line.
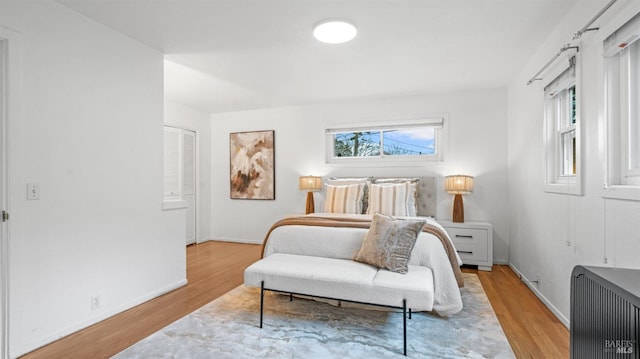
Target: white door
<point x="4" y="237"/>
<point x="189" y="181"/>
<point x="180" y="173"/>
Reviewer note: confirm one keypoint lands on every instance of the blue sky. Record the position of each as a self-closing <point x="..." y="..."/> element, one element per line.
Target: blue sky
<point x="414" y="141"/>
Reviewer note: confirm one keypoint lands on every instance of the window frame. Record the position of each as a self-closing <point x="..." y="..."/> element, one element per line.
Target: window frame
<point x="558" y="114"/>
<point x="436" y="122"/>
<point x="181" y="189"/>
<point x="621" y="181"/>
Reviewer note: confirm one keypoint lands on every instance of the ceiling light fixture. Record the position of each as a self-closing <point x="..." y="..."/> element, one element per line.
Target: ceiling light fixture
<point x="334" y="31"/>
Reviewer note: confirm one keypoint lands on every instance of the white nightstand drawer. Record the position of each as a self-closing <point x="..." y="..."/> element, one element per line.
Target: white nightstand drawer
<point x="473" y="241"/>
<point x="468" y="236"/>
<point x="472" y="252"/>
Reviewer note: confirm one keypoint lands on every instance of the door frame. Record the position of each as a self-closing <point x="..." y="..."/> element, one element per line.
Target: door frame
<point x="10" y="101"/>
<point x="3" y="195"/>
<point x="197" y="174"/>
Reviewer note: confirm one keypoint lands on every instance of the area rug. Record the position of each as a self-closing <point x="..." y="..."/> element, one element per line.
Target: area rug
<point x="228" y="327"/>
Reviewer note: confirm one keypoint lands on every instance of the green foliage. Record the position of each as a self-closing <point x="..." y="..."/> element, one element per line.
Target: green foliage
<point x="357" y="144"/>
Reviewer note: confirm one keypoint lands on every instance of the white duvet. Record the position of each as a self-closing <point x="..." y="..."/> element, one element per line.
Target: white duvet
<point x="343" y="243"/>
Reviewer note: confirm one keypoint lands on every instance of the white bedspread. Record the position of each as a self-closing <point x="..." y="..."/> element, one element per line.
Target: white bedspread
<point x="343" y="243"/>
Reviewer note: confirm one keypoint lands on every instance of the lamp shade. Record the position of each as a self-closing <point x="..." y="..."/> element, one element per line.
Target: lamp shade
<point x="458" y="184"/>
<point x="310" y="183"/>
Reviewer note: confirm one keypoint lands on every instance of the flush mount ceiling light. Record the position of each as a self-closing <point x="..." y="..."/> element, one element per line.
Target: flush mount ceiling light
<point x="334" y="31"/>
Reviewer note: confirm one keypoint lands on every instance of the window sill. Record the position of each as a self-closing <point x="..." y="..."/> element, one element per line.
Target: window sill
<point x="387" y="161"/>
<point x="563" y="188"/>
<point x="168" y="205"/>
<point x="631" y="193"/>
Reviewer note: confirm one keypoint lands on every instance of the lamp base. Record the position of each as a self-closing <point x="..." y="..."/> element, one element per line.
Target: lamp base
<point x="311" y="206"/>
<point x="458" y="209"/>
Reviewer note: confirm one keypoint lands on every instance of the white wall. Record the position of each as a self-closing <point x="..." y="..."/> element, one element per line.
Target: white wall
<point x="551" y="233"/>
<point x="179" y="115"/>
<point x="90" y="133"/>
<point x="476" y="145"/>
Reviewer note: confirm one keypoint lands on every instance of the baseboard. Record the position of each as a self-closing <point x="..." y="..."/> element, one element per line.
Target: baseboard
<point x="234" y="240"/>
<point x="540" y="296"/>
<point x="47" y="339"/>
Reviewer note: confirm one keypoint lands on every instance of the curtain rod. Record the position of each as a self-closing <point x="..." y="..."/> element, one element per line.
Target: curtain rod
<point x="576" y="36"/>
<point x="586" y="27"/>
<point x="553" y="59"/>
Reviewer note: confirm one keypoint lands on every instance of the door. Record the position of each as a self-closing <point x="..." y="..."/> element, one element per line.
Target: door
<point x="189" y="181"/>
<point x="4" y="216"/>
<point x="180" y="174"/>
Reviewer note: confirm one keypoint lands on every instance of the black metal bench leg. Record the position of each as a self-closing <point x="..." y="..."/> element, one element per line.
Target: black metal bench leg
<point x="404" y="325"/>
<point x="261" y="301"/>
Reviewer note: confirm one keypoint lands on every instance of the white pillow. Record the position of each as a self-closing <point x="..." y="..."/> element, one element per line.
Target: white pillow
<point x="392" y="199"/>
<point x="412" y="205"/>
<point x="340" y="181"/>
<point x="343" y="198"/>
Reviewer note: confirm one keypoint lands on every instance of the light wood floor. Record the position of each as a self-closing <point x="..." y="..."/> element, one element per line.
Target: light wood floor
<point x="214" y="268"/>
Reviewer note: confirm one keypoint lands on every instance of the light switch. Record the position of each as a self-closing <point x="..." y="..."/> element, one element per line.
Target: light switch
<point x="33" y="191"/>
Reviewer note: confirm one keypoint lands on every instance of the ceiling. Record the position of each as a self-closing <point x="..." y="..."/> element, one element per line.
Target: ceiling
<point x="231" y="55"/>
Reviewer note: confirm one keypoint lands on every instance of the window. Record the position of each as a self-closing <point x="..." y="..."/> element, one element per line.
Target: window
<point x="179" y="163"/>
<point x="562" y="133"/>
<point x="403" y="141"/>
<point x="622" y="97"/>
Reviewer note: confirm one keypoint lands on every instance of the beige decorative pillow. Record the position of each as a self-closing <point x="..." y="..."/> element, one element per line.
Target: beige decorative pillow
<point x="390" y="198"/>
<point x="343" y="199"/>
<point x="412" y="198"/>
<point x="389" y="243"/>
<point x="364" y="181"/>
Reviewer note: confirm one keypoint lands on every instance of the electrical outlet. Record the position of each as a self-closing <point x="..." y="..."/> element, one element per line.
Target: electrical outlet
<point x="96" y="302"/>
<point x="33" y="191"/>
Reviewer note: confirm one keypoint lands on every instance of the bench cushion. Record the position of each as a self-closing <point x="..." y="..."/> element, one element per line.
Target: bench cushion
<point x="343" y="279"/>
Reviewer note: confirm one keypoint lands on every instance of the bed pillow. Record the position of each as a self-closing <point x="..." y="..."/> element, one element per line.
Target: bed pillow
<point x="389" y="243"/>
<point x="343" y="198"/>
<point x="365" y="181"/>
<point x="393" y="199"/>
<point x="412" y="205"/>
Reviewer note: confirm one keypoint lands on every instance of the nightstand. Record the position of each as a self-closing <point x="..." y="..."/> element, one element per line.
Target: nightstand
<point x="473" y="241"/>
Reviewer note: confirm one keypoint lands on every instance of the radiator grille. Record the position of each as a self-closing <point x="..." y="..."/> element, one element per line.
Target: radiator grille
<point x="605" y="314"/>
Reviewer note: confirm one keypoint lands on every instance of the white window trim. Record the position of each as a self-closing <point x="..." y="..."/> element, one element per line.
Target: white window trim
<point x="554" y="181"/>
<point x="174" y="201"/>
<point x="614" y="184"/>
<point x="438" y="121"/>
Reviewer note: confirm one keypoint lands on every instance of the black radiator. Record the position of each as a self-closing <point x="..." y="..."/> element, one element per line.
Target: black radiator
<point x="605" y="312"/>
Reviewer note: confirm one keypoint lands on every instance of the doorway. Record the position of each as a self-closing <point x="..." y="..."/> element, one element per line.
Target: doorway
<point x="180" y="174"/>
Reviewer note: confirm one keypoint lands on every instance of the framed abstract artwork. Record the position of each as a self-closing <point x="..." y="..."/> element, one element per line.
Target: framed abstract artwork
<point x="252" y="165"/>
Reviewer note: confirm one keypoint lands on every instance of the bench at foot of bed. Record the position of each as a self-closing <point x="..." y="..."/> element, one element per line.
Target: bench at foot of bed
<point x="345" y="280"/>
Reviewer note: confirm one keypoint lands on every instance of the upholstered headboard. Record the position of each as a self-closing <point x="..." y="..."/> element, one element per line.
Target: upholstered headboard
<point x="426" y="200"/>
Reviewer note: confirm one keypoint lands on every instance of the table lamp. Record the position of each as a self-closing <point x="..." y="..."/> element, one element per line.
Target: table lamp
<point x="310" y="184"/>
<point x="458" y="185"/>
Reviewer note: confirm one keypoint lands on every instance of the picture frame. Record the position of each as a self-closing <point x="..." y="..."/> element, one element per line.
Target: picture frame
<point x="252" y="165"/>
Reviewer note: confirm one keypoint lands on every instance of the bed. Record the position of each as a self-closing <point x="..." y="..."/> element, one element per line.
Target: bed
<point x="348" y="206"/>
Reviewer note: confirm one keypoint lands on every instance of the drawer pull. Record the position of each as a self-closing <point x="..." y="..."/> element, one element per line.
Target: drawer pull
<point x="463" y="236"/>
<point x="465" y="252"/>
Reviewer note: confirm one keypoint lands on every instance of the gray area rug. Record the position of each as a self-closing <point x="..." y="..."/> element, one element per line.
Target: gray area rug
<point x="228" y="328"/>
